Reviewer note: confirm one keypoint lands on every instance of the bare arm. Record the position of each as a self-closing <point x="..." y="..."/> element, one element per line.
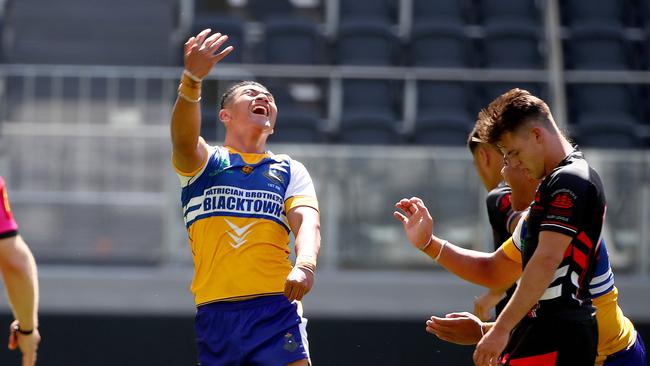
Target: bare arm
<point x="492" y="270"/>
<point x="535" y="279"/>
<point x="20" y="278"/>
<point x="200" y="55"/>
<point x="305" y="224"/>
<point x="21" y="282"/>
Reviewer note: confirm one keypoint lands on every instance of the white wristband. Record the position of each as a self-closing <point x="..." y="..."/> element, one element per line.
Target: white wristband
<point x="442" y="247"/>
<point x="427" y="244"/>
<point x="482" y="331"/>
<point x="195" y="78"/>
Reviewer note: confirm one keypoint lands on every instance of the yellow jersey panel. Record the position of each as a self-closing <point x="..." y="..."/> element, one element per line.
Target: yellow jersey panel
<point x="234" y="208"/>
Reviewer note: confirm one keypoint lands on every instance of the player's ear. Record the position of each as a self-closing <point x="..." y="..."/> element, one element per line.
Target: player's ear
<point x="224" y="115"/>
<point x="536" y="133"/>
<point x="483" y="155"/>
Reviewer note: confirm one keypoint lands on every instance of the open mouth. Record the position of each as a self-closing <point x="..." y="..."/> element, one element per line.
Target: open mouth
<point x="261" y="110"/>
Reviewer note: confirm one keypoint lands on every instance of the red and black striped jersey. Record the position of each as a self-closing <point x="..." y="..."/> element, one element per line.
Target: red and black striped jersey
<point x="571" y="201"/>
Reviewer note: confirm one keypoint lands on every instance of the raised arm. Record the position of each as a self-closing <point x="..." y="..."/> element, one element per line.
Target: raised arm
<point x="21" y="282"/>
<point x="201" y="53"/>
<point x="493" y="270"/>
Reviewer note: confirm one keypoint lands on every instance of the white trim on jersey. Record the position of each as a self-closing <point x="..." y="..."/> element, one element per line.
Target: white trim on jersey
<point x="552" y="293"/>
<point x="600" y="289"/>
<point x="556" y="291"/>
<point x="560" y="226"/>
<point x="300" y="183"/>
<point x="185" y="180"/>
<point x="602" y="278"/>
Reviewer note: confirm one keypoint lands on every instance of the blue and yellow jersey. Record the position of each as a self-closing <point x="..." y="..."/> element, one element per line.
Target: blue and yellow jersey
<point x="235" y="208"/>
<point x="615" y="331"/>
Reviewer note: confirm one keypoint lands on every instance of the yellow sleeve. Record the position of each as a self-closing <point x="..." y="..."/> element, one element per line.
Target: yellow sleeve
<point x="195" y="171"/>
<point x="511" y="250"/>
<point x="296" y="201"/>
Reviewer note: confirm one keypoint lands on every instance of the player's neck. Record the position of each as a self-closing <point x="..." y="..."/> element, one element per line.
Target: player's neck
<point x="248" y="144"/>
<point x="559" y="148"/>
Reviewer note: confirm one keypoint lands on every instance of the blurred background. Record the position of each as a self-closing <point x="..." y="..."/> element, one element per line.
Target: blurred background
<point x="376" y="97"/>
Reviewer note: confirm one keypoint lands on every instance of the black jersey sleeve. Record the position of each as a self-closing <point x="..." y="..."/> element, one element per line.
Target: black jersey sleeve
<point x="565" y="199"/>
<point x="500" y="213"/>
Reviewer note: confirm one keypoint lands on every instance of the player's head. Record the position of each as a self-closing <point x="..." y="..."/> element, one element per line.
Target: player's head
<point x="522" y="185"/>
<point x="487" y="160"/>
<point x="248" y="104"/>
<point x="520" y="124"/>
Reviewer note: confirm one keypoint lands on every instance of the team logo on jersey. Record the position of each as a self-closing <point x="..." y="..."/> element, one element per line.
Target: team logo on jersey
<point x="247" y="169"/>
<point x="274" y="175"/>
<point x="290" y="343"/>
<point x="240" y="234"/>
<point x="563" y="201"/>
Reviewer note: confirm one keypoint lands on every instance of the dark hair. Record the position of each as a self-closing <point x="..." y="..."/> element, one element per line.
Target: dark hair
<point x="225" y="97"/>
<point x="510" y="111"/>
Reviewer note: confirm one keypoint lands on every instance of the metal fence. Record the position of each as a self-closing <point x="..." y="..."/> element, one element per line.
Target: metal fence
<point x="86" y="155"/>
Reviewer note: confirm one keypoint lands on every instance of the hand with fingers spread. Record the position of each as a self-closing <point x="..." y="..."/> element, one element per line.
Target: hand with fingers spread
<point x="417" y="222"/>
<point x="461" y="328"/>
<point x="201" y="52"/>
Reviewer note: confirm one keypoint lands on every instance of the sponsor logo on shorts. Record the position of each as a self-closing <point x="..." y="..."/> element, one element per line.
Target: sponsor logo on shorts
<point x="290" y="343"/>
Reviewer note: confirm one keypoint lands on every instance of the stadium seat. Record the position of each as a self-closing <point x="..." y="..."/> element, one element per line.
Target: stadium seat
<point x="262" y="10"/>
<point x="231" y="26"/>
<point x="502" y="38"/>
<point x="601" y="98"/>
<point x="489" y="91"/>
<point x="616" y="131"/>
<point x="431" y="12"/>
<point x="366" y="43"/>
<point x="444" y="129"/>
<point x="436" y="96"/>
<point x="2" y="37"/>
<point x="593" y="11"/>
<point x="646" y="50"/>
<point x="597" y="47"/>
<point x="292" y="41"/>
<point x="369" y="127"/>
<point x="438" y="45"/>
<point x="210" y="123"/>
<point x="506" y="10"/>
<point x="382" y="10"/>
<point x="375" y="95"/>
<point x="297" y="126"/>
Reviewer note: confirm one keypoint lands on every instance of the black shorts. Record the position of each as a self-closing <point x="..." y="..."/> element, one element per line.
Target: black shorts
<point x="552" y="342"/>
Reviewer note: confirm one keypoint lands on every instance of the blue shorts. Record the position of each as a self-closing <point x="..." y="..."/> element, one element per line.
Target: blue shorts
<point x="633" y="356"/>
<point x="264" y="331"/>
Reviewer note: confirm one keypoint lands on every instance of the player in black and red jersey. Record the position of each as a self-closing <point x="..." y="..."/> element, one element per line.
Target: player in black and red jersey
<point x="549" y="319"/>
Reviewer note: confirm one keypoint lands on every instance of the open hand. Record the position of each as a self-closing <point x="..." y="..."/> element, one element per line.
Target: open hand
<point x="201" y="52"/>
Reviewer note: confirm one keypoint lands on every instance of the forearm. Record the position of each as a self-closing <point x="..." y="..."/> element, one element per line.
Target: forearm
<point x="534" y="281"/>
<point x="308" y="241"/>
<point x="186" y="119"/>
<point x="21" y="283"/>
<point x="470" y="265"/>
